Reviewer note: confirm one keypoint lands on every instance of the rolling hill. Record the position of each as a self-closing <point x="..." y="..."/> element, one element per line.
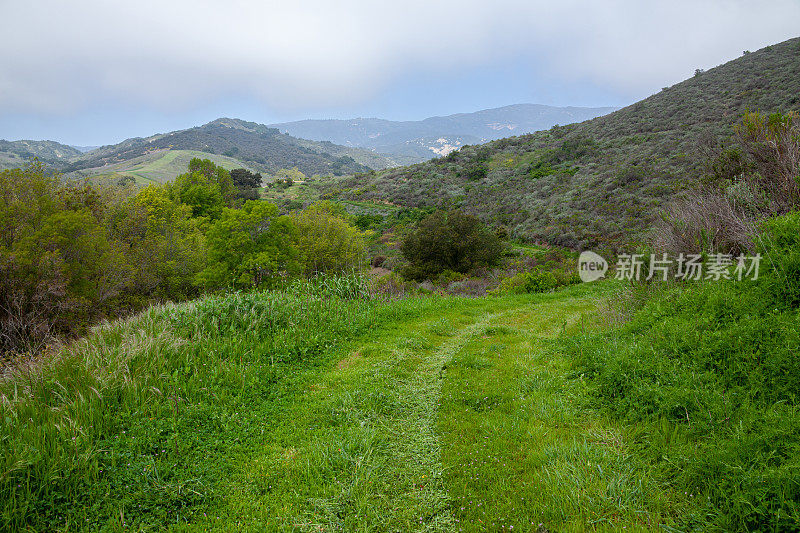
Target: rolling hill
<point x="603" y="180"/>
<point x="159" y="166"/>
<point x="262" y="147"/>
<point x="230" y="142"/>
<point x="16" y="153"/>
<point x="420" y="140"/>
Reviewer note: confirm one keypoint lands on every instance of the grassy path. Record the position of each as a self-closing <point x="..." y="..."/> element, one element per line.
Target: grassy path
<point x="522" y="450"/>
<point x="453" y="415"/>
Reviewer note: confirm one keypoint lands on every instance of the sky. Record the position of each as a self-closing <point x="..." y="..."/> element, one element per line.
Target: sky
<point x="93" y="72"/>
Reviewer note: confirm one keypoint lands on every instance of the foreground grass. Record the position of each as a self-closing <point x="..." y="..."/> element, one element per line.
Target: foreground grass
<point x="295" y="412"/>
<point x="521" y="449"/>
<point x="137" y="425"/>
<point x="356" y="449"/>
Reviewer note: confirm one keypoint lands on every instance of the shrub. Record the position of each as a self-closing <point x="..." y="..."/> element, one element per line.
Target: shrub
<point x="758" y="181"/>
<point x="528" y="282"/>
<point x="326" y="241"/>
<point x="709" y="374"/>
<point x="449" y="240"/>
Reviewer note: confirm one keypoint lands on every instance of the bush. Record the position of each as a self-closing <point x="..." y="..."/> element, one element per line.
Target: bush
<point x="449" y="240"/>
<point x="326" y="241"/>
<point x="761" y="179"/>
<point x="528" y="282"/>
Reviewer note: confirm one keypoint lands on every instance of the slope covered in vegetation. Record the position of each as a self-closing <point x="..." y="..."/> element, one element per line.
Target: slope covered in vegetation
<point x="246" y="141"/>
<point x="14" y="154"/>
<point x="600" y="181"/>
<point x="256" y="145"/>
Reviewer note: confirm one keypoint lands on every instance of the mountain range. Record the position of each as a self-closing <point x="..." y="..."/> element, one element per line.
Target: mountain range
<point x="420" y="140"/>
<point x="229" y="142"/>
<point x="323" y="147"/>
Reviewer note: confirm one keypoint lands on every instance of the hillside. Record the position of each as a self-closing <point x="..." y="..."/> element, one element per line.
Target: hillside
<point x="419" y="140"/>
<point x="262" y="147"/>
<point x="16" y="153"/>
<point x="253" y="145"/>
<point x="599" y="181"/>
<point x="159" y="166"/>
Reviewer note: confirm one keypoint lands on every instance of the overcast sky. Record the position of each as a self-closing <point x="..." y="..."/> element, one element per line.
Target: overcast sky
<point x="92" y="72"/>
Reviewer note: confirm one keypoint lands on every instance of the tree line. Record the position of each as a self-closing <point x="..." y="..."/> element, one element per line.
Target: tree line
<point x="74" y="253"/>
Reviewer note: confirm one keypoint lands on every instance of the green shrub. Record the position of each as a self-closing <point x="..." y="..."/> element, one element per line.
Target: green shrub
<point x="528" y="282"/>
<point x="449" y="240"/>
<point x="326" y="241"/>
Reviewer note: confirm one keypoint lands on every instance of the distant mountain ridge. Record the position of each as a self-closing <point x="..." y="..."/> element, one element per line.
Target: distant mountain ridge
<point x="418" y="140"/>
<point x="261" y="146"/>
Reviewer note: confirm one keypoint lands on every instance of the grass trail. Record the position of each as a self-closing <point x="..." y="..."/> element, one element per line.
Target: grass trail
<point x="452" y="415"/>
<point x="273" y="412"/>
<point x="356" y="450"/>
<point x="522" y="450"/>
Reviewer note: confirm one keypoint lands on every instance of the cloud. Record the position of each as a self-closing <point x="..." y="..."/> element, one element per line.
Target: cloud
<point x="62" y="57"/>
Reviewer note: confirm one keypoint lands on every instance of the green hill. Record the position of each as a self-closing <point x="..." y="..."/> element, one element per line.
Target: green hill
<point x="262" y="147"/>
<point x="600" y="180"/>
<point x="227" y="141"/>
<point x="159" y="166"/>
<point x="16" y="153"/>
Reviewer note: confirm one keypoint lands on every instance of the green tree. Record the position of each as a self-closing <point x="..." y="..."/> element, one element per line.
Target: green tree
<point x="163" y="242"/>
<point x="215" y="174"/>
<point x="59" y="268"/>
<point x="326" y="241"/>
<point x="249" y="247"/>
<point x="247" y="183"/>
<point x="200" y="193"/>
<point x="449" y="240"/>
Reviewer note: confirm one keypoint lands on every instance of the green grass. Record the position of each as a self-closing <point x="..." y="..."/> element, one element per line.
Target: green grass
<point x="303" y="411"/>
<point x="521" y="450"/>
<point x="160" y="167"/>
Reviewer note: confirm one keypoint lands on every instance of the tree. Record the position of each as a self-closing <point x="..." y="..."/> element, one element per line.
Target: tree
<point x="246" y="183"/>
<point x="449" y="240"/>
<point x="200" y="193"/>
<point x="326" y="241"/>
<point x="249" y="247"/>
<point x="163" y="242"/>
<point x="215" y="174"/>
<point x="59" y="267"/>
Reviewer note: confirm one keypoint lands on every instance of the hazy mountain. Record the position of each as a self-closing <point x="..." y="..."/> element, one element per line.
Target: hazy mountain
<point x="84" y="149"/>
<point x="603" y="180"/>
<point x="423" y="139"/>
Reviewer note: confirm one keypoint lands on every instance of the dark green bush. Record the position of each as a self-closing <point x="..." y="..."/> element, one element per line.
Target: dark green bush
<point x="449" y="240"/>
